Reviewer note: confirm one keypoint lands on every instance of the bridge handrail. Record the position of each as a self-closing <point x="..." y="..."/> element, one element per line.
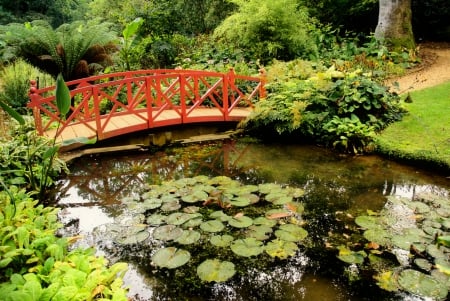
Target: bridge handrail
<point x="151" y="90"/>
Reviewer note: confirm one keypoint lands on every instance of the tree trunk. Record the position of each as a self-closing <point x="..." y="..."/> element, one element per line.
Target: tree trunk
<point x="394" y="24"/>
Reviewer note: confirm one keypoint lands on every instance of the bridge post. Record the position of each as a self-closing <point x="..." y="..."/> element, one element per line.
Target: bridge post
<point x="263" y="78"/>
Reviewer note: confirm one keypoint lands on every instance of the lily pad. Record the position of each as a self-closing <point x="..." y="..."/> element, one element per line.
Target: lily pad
<point x="214" y="270"/>
<point x="278" y="198"/>
<point x="368" y="222"/>
<point x="167" y="232"/>
<point x="420" y="284"/>
<point x="261" y="220"/>
<point x="379" y="236"/>
<point x="188" y="237"/>
<point x="259" y="232"/>
<point x="191" y="209"/>
<point x="240" y="201"/>
<point x="212" y="226"/>
<point x="247" y="247"/>
<point x="352" y="257"/>
<point x="267" y="188"/>
<point x="278" y="213"/>
<point x="196" y="196"/>
<point x="192" y="223"/>
<point x="156" y="219"/>
<point x="240" y="221"/>
<point x="179" y="218"/>
<point x="294" y="207"/>
<point x="281" y="248"/>
<point x="221" y="240"/>
<point x="171" y="257"/>
<point x="171" y="206"/>
<point x="151" y="203"/>
<point x="290" y="232"/>
<point x="220" y="215"/>
<point x="132" y="235"/>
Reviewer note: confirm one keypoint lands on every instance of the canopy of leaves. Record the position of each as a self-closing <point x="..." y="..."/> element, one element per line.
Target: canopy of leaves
<point x="270" y="29"/>
<point x="75" y="50"/>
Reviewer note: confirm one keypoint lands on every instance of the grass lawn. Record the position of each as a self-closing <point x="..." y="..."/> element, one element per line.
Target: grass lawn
<point x="424" y="133"/>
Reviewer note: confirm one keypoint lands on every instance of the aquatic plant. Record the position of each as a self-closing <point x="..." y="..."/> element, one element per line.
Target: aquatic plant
<point x="407" y="244"/>
<point x="207" y="223"/>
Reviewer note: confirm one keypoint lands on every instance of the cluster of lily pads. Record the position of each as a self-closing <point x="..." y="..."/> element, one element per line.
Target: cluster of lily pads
<point x="414" y="232"/>
<point x="220" y="213"/>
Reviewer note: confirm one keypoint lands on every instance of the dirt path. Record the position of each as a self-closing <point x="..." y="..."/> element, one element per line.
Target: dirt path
<point x="434" y="69"/>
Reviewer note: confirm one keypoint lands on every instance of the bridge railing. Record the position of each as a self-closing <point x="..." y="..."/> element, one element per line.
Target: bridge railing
<point x="153" y="97"/>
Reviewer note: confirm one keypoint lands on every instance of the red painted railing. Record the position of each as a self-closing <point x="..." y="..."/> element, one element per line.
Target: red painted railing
<point x="149" y="96"/>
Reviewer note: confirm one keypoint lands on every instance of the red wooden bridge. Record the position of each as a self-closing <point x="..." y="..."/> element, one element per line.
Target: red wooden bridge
<point x="109" y="105"/>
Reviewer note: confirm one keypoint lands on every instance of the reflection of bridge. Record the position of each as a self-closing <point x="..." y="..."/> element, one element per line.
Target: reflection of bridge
<point x="107" y="180"/>
<point x="109" y="105"/>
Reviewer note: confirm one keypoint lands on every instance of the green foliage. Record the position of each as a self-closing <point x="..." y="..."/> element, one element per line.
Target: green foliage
<point x="29" y="160"/>
<point x="15" y="84"/>
<point x="342" y="110"/>
<point x="270" y="29"/>
<point x="36" y="265"/>
<point x="75" y="50"/>
<point x="128" y="41"/>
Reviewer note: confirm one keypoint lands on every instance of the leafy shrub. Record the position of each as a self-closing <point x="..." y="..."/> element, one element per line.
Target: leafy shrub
<point x="15" y="83"/>
<point x="26" y="160"/>
<point x="36" y="265"/>
<point x="342" y="110"/>
<point x="270" y="29"/>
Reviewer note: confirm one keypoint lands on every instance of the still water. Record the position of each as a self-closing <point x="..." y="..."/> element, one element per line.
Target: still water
<point x="335" y="185"/>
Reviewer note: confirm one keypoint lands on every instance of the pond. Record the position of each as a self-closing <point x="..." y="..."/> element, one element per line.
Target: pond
<point x="336" y="188"/>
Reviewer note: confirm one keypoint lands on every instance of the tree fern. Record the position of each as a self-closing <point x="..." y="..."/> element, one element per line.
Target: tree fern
<point x="62" y="50"/>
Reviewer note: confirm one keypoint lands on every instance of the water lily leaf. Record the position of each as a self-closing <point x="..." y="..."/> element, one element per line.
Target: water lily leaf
<point x="443" y="240"/>
<point x="220" y="215"/>
<point x="221" y="240"/>
<point x="278" y="213"/>
<point x="380" y="236"/>
<point x="247" y="247"/>
<point x="267" y="188"/>
<point x="212" y="226"/>
<point x="443" y="268"/>
<point x="240" y="201"/>
<point x="349" y="256"/>
<point x="156" y="219"/>
<point x="240" y="221"/>
<point x="368" y="222"/>
<point x="281" y="248"/>
<point x="419" y="207"/>
<point x="196" y="196"/>
<point x="259" y="232"/>
<point x="294" y="207"/>
<point x="191" y="209"/>
<point x="170" y="258"/>
<point x="151" y="203"/>
<point x="435" y="252"/>
<point x="192" y="223"/>
<point x="290" y="232"/>
<point x="214" y="270"/>
<point x="132" y="234"/>
<point x="386" y="281"/>
<point x="278" y="198"/>
<point x="178" y="218"/>
<point x="188" y="237"/>
<point x="423" y="264"/>
<point x="171" y="206"/>
<point x="404" y="241"/>
<point x="261" y="220"/>
<point x="167" y="232"/>
<point x="295" y="192"/>
<point x="420" y="284"/>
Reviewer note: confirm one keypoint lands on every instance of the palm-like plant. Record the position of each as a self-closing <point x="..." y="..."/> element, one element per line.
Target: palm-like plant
<point x="75" y="50"/>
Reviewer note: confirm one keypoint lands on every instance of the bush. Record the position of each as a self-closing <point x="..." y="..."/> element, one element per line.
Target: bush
<point x="36" y="265"/>
<point x="270" y="30"/>
<point x="337" y="109"/>
<point x="15" y="83"/>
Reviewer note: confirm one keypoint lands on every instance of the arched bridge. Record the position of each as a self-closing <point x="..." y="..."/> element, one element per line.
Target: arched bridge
<point x="109" y="105"/>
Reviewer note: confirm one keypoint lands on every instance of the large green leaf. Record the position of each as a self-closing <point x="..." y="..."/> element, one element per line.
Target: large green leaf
<point x="212" y="226"/>
<point x="62" y="95"/>
<point x="281" y="248"/>
<point x="188" y="237"/>
<point x="290" y="232"/>
<point x="214" y="270"/>
<point x="420" y="284"/>
<point x="167" y="232"/>
<point x="13" y="113"/>
<point x="171" y="257"/>
<point x="247" y="247"/>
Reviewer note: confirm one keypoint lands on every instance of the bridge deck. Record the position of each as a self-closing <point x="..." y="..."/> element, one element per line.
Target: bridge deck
<point x="128" y="123"/>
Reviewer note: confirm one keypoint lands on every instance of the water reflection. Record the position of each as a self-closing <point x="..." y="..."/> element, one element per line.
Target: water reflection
<point x="92" y="195"/>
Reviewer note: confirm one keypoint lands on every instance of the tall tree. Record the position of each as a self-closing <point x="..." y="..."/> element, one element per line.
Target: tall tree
<point x="394" y="24"/>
